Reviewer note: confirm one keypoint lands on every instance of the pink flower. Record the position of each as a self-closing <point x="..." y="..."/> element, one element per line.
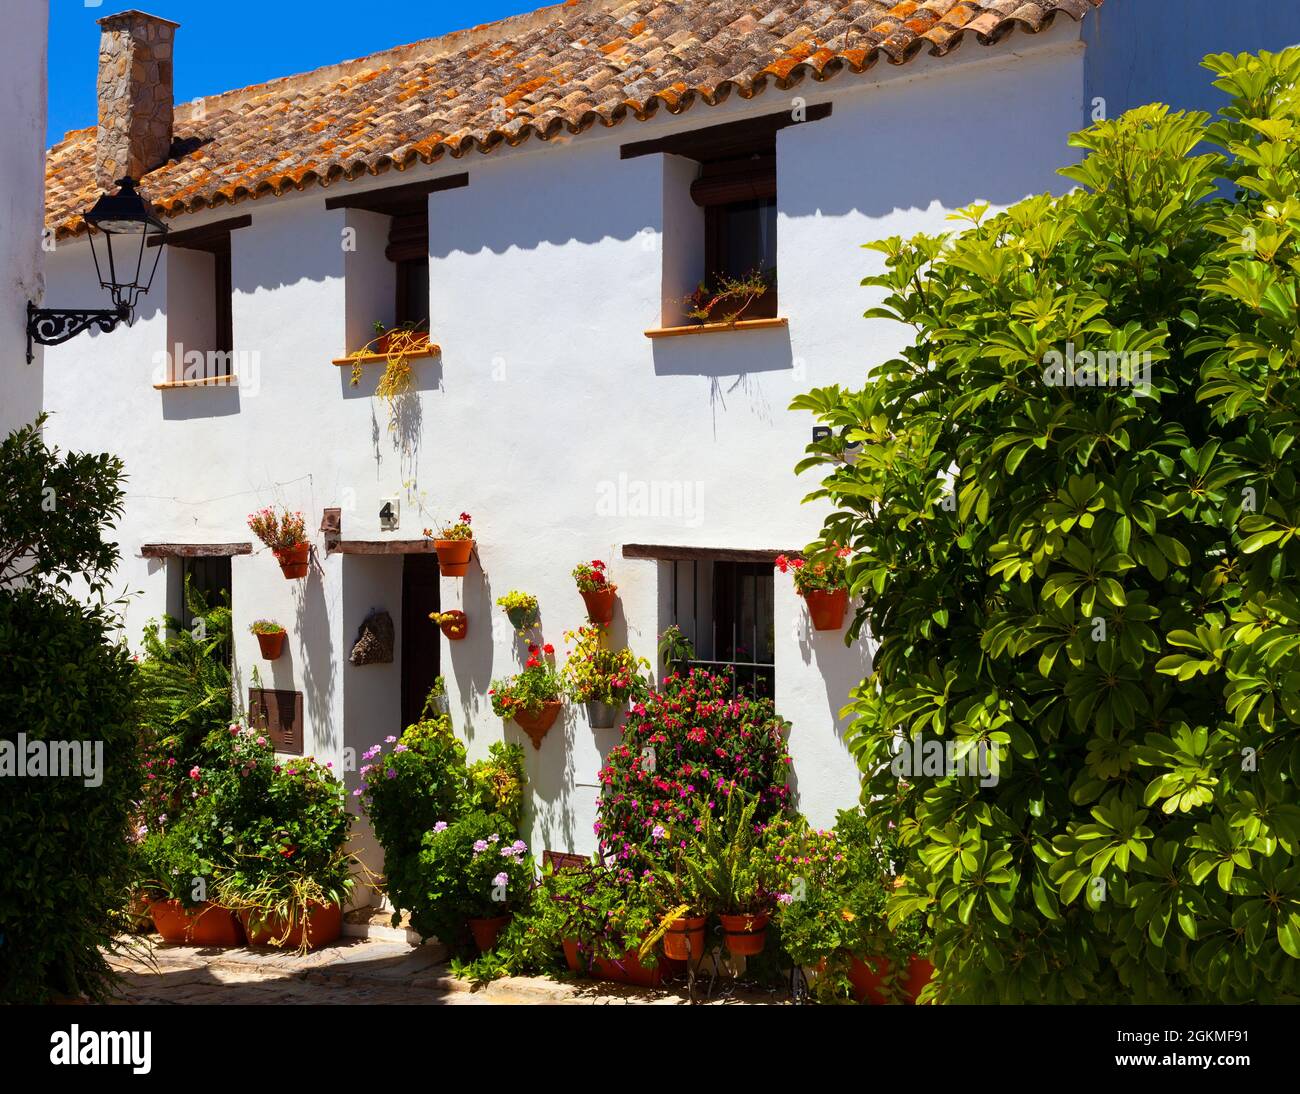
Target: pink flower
<point x="194" y="772"/>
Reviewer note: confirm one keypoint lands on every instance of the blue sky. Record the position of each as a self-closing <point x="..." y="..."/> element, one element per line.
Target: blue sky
<point x="225" y="45"/>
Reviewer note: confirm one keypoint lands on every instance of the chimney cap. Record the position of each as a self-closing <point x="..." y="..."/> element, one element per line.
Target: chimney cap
<point x="131" y="15"/>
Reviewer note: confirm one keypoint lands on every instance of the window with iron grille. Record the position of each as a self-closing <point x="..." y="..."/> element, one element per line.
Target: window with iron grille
<point x="726" y="611"/>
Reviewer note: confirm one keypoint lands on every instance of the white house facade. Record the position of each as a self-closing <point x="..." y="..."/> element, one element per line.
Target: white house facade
<point x="563" y="409"/>
<point x="22" y="205"/>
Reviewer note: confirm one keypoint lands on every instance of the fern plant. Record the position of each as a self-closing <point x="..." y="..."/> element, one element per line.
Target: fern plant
<point x="729" y="867"/>
<point x="183" y="684"/>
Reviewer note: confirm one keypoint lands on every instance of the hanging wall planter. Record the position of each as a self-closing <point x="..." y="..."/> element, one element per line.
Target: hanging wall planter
<point x="454" y="623"/>
<point x="455" y="546"/>
<point x="603" y="715"/>
<point x="538" y="723"/>
<point x="597" y="591"/>
<point x="270" y="637"/>
<point x="521" y="609"/>
<point x="827" y="608"/>
<point x="293" y="560"/>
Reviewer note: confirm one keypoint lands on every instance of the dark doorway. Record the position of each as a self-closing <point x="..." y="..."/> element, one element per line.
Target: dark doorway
<point x="421" y="638"/>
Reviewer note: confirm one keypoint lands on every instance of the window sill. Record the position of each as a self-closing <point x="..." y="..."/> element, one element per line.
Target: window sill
<point x="202" y="381"/>
<point x="717" y="328"/>
<point x="431" y="350"/>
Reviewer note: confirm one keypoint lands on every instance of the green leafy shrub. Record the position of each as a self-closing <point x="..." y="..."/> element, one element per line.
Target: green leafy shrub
<point x="470" y="868"/>
<point x="65" y="857"/>
<point x="1098" y="579"/>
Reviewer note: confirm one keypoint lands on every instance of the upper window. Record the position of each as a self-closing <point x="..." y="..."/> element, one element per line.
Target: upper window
<point x="738" y="195"/>
<point x="200" y="316"/>
<point x="408" y="250"/>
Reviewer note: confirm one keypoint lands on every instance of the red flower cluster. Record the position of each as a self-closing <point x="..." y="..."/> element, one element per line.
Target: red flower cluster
<point x="684" y="747"/>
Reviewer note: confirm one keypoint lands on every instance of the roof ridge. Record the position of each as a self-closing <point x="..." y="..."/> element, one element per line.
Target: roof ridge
<point x="441" y="45"/>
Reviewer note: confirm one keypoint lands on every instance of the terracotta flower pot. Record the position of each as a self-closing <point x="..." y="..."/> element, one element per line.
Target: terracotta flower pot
<point x="870" y="979"/>
<point x="685" y="938"/>
<point x="382" y="342"/>
<point x="485" y="931"/>
<point x="293" y="560"/>
<point x="746" y="935"/>
<point x="603" y="715"/>
<point x="521" y="618"/>
<point x="457" y="628"/>
<point x="827" y="608"/>
<point x="453" y="556"/>
<point x="625" y="970"/>
<point x="272" y="644"/>
<point x="537" y="724"/>
<point x="203" y="925"/>
<point x="324" y="925"/>
<point x="600" y="604"/>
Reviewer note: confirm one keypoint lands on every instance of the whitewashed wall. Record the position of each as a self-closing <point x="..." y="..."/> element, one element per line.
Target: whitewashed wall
<point x="22" y="204"/>
<point x="545" y="272"/>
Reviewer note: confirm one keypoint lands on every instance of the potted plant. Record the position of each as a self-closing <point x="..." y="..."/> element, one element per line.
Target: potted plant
<point x="833" y="915"/>
<point x="684" y="920"/>
<point x="521" y="609"/>
<point x="597" y="591"/>
<point x="435" y="703"/>
<point x="453" y="623"/>
<point x="824" y="586"/>
<point x="531" y="697"/>
<point x="284" y="866"/>
<point x="270" y="637"/>
<point x="286" y="534"/>
<point x="454" y="544"/>
<point x="728" y="867"/>
<point x="408" y="337"/>
<point x="174" y="880"/>
<point x="397" y="345"/>
<point x="600" y="917"/>
<point x="732" y="298"/>
<point x="605" y="680"/>
<point x="472" y="872"/>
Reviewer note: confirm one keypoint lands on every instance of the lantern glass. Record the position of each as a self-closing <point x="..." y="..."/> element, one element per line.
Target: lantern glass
<point x="122" y="229"/>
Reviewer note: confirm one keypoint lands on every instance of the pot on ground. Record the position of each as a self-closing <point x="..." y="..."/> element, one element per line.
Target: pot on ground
<point x="272" y="643"/>
<point x="684" y="940"/>
<point x="600" y="604"/>
<point x="603" y="715"/>
<point x="538" y="723"/>
<point x="871" y="979"/>
<point x="623" y="970"/>
<point x="293" y="560"/>
<point x="453" y="556"/>
<point x="746" y="935"/>
<point x="827" y="608"/>
<point x="457" y="627"/>
<point x="203" y="925"/>
<point x="485" y="931"/>
<point x="324" y="924"/>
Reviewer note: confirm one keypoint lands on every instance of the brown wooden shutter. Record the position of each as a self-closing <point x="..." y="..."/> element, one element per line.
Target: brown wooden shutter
<point x="278" y="714"/>
<point x="727" y="181"/>
<point x="408" y="237"/>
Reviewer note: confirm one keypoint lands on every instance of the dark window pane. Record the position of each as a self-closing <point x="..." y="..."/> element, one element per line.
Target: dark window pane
<point x="749" y="230"/>
<point x="413" y="293"/>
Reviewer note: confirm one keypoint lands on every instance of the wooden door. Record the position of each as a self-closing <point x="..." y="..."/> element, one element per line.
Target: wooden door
<point x="421" y="639"/>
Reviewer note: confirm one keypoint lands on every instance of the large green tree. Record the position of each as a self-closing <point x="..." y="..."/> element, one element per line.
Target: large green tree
<point x="64" y="858"/>
<point x="1102" y="581"/>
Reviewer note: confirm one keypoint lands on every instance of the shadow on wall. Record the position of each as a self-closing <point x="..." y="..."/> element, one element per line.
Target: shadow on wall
<point x="552" y="783"/>
<point x="315" y="630"/>
<point x="187" y="404"/>
<point x="471" y="657"/>
<point x="840" y="668"/>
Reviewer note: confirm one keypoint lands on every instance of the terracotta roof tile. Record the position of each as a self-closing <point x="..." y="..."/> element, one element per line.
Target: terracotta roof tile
<point x="558" y="69"/>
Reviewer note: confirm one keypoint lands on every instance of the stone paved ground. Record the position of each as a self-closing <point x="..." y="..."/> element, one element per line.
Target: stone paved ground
<point x="353" y="971"/>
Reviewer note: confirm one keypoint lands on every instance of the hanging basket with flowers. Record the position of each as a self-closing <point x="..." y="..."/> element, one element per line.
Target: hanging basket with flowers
<point x="824" y="585"/>
<point x="455" y="545"/>
<point x="604" y="679"/>
<point x="521" y="609"/>
<point x="270" y="637"/>
<point x="453" y="623"/>
<point x="286" y="534"/>
<point x="598" y="592"/>
<point x="531" y="697"/>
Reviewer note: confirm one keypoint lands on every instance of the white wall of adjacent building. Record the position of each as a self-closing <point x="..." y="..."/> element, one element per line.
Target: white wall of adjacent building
<point x="548" y="399"/>
<point x="22" y="203"/>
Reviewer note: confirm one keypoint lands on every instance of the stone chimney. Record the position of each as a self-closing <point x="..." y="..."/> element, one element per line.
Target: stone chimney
<point x="135" y="95"/>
